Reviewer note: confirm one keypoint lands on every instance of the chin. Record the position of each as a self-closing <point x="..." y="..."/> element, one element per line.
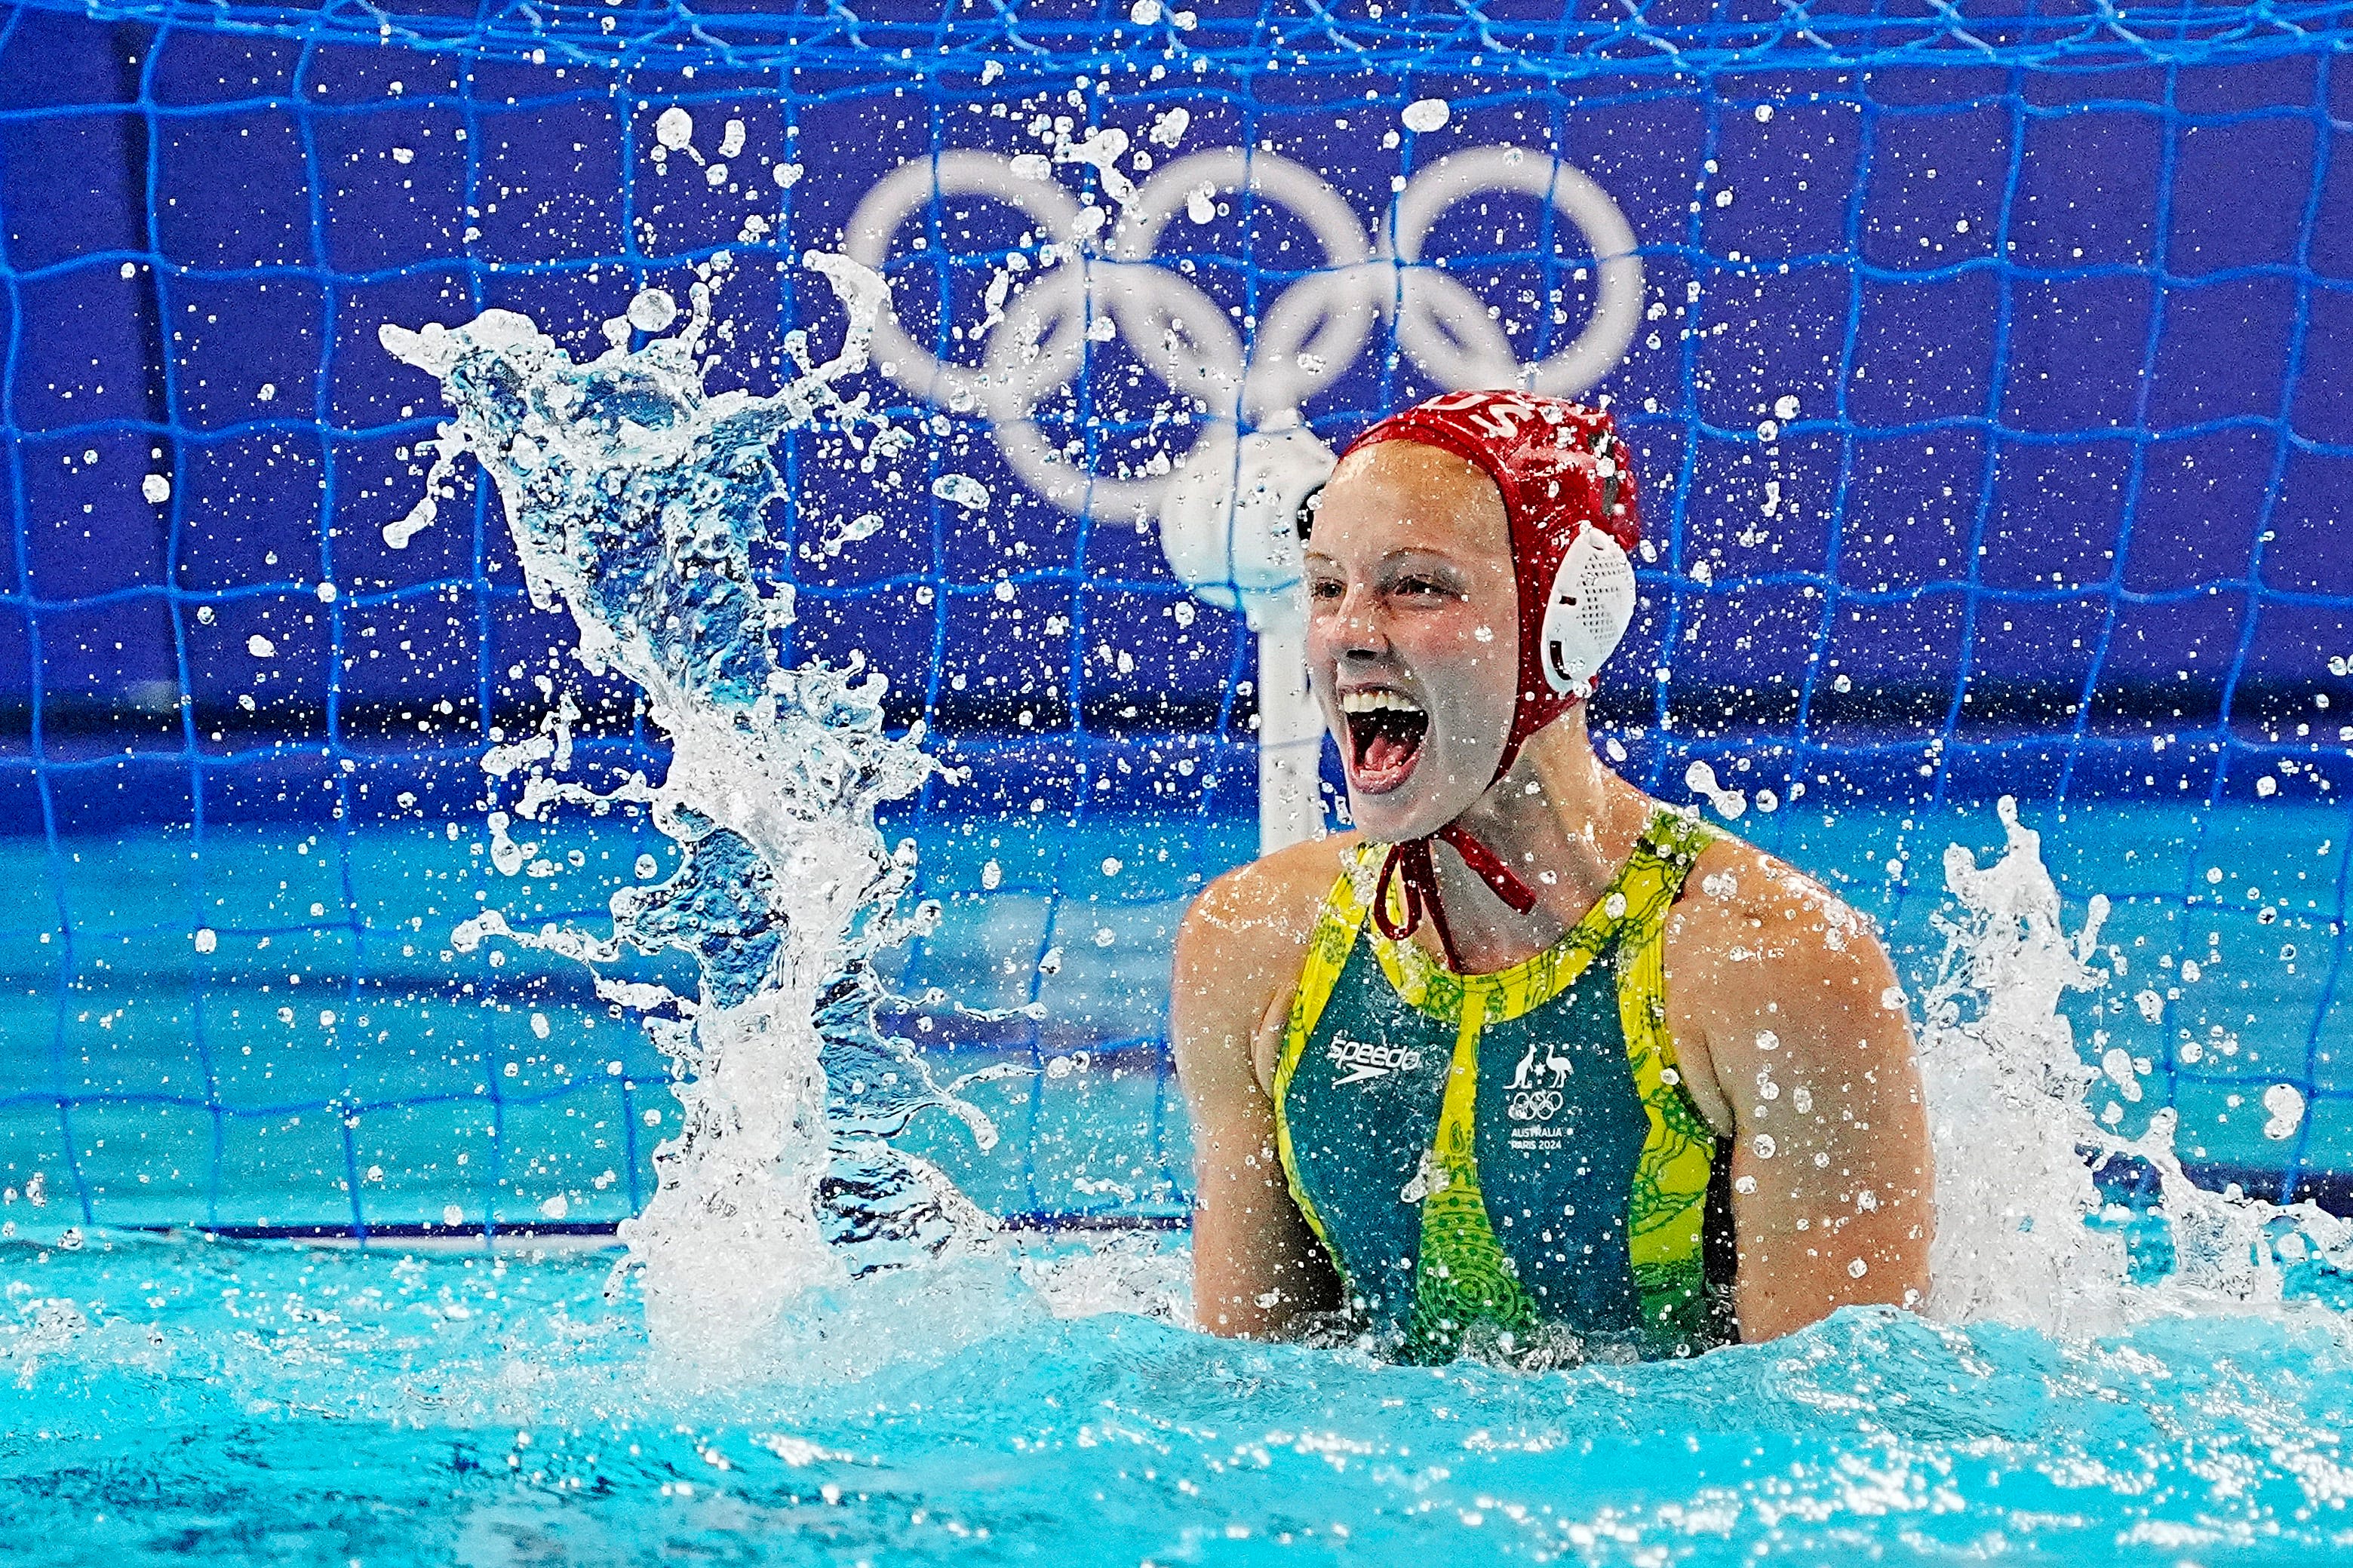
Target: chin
<point x="1381" y="819"/>
<point x="1392" y="820"/>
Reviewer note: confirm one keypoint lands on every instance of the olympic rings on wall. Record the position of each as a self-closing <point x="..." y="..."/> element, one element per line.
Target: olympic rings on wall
<point x="1034" y="338"/>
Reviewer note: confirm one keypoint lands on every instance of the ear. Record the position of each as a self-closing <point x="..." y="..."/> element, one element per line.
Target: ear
<point x="1590" y="607"/>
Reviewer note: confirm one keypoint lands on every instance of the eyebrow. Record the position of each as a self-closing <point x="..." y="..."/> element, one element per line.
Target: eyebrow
<point x="1401" y="552"/>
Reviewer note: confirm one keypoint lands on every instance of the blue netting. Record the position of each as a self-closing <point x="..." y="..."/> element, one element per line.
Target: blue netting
<point x="1979" y="378"/>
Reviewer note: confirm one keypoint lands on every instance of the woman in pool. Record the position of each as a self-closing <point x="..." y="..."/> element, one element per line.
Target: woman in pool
<point x="1529" y="1064"/>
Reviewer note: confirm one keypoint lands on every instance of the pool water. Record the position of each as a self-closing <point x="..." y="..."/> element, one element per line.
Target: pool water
<point x="362" y="1030"/>
<point x="177" y="1399"/>
<point x="153" y="1078"/>
<point x="438" y="1400"/>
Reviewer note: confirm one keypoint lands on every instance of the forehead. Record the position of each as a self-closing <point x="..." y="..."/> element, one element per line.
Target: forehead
<point x="1402" y="494"/>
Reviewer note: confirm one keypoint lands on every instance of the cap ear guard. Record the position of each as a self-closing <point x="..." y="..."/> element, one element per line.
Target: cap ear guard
<point x="1587" y="612"/>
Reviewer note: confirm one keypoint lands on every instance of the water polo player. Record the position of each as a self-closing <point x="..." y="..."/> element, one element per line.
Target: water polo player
<point x="1528" y="1064"/>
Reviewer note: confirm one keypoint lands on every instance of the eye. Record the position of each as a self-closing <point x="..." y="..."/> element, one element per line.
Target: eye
<point x="1421" y="587"/>
<point x="1325" y="588"/>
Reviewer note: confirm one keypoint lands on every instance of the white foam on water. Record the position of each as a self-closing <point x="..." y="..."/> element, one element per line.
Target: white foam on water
<point x="2005" y="1088"/>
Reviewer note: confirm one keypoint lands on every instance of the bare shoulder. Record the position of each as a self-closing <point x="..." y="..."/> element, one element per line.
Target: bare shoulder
<point x="1260" y="915"/>
<point x="1257" y="1267"/>
<point x="1745" y="907"/>
<point x="1239" y="953"/>
<point x="1764" y="964"/>
<point x="1795" y="1043"/>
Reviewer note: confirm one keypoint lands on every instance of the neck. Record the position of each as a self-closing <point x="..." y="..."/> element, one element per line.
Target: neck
<point x="1563" y="823"/>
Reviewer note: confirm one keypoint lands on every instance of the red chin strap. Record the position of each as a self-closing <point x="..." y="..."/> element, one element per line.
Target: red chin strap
<point x="1410" y="865"/>
<point x="1560" y="468"/>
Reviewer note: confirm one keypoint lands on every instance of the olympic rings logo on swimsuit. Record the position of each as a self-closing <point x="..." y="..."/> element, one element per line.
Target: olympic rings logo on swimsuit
<point x="1094" y="285"/>
<point x="1533" y="1105"/>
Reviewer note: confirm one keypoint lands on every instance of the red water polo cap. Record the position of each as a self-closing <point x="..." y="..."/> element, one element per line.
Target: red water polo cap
<point x="1561" y="469"/>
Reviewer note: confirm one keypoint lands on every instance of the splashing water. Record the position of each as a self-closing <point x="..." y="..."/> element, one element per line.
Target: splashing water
<point x="2005" y="1088"/>
<point x="2012" y="1128"/>
<point x="636" y="501"/>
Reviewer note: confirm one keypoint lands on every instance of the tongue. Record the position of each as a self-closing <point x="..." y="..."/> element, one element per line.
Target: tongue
<point x="1386" y="751"/>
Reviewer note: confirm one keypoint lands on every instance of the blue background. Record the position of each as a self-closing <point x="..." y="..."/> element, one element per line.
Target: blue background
<point x="2062" y="313"/>
<point x="2064" y="476"/>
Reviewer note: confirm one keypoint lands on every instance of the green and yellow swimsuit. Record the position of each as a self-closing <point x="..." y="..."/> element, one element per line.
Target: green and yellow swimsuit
<point x="1504" y="1161"/>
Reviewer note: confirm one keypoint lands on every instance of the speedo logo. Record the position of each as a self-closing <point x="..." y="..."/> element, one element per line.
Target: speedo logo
<point x="1359" y="1059"/>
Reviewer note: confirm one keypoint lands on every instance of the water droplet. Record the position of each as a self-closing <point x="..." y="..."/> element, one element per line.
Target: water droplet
<point x="2286" y="1103"/>
<point x="652" y="310"/>
<point x="1426" y="114"/>
<point x="962" y="490"/>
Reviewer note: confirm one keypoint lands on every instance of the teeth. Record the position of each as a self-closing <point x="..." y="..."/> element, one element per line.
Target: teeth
<point x="1376" y="701"/>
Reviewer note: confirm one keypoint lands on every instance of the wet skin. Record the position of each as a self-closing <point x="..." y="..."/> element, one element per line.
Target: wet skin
<point x="1787" y="1022"/>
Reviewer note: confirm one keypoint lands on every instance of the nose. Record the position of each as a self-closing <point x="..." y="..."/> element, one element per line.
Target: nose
<point x="1356" y="629"/>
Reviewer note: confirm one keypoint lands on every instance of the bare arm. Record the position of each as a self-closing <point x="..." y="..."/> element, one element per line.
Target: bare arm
<point x="1257" y="1269"/>
<point x="1811" y="1048"/>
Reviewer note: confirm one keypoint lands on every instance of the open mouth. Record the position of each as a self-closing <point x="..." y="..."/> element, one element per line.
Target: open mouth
<point x="1385" y="736"/>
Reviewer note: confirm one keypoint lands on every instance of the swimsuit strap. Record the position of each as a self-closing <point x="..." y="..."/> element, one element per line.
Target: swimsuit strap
<point x="1334" y="937"/>
<point x="1653" y="876"/>
<point x="1667" y="1206"/>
